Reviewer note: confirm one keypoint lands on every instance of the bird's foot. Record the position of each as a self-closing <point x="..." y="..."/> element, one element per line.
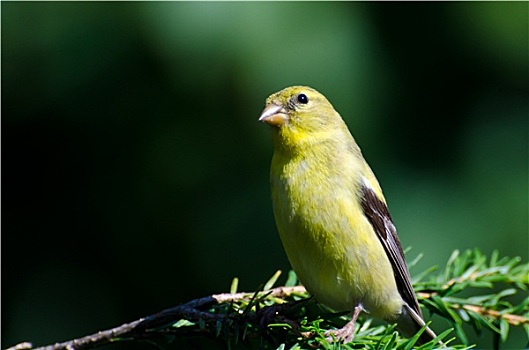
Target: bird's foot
<point x="344" y="334"/>
<point x="347" y="332"/>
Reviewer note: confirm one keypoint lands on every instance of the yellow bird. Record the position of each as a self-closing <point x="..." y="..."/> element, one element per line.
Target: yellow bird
<point x="332" y="216"/>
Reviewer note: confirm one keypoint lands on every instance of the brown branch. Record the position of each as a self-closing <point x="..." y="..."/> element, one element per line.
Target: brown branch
<point x="512" y="319"/>
<point x="279" y="292"/>
<point x="144" y="328"/>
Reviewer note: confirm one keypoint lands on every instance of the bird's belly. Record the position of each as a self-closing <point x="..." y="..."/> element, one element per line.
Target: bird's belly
<point x="325" y="283"/>
<point x="337" y="256"/>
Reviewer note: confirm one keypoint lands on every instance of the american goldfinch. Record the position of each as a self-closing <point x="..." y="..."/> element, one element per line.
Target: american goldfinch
<point x="332" y="216"/>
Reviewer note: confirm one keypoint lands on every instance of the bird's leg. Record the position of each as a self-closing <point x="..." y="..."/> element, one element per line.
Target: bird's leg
<point x="346" y="333"/>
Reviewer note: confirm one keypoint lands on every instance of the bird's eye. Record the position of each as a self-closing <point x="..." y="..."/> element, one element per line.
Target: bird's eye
<point x="302" y="98"/>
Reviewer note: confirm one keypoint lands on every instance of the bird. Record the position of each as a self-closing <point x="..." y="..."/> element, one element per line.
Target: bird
<point x="332" y="216"/>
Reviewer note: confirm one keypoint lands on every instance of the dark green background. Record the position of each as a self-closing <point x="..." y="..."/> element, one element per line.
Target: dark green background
<point x="135" y="173"/>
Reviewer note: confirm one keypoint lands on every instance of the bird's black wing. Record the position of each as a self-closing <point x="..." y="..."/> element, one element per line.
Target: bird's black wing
<point x="378" y="215"/>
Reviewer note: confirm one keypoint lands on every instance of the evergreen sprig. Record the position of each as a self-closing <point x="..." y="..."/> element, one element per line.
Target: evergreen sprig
<point x="488" y="294"/>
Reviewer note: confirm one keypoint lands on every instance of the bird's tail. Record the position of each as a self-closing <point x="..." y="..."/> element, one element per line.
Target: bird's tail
<point x="410" y="322"/>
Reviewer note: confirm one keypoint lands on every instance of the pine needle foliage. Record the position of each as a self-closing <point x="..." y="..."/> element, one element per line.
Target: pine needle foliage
<point x="488" y="294"/>
<point x="472" y="292"/>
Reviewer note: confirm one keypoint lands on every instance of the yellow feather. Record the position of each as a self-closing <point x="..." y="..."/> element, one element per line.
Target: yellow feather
<point x="317" y="176"/>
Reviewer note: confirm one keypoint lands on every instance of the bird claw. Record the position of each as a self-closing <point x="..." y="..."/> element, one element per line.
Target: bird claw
<point x="344" y="335"/>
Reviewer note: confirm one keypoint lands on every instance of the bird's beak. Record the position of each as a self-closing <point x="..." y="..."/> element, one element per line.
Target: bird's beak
<point x="274" y="115"/>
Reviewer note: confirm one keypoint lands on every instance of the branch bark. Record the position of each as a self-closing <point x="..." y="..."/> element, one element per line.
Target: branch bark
<point x="145" y="328"/>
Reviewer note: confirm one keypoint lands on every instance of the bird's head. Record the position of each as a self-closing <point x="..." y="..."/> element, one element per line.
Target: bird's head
<point x="300" y="115"/>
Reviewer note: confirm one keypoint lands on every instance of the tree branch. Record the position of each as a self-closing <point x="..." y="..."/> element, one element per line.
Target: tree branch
<point x="145" y="328"/>
<point x="269" y="315"/>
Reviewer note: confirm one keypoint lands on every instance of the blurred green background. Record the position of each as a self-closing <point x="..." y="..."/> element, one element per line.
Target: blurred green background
<point x="135" y="173"/>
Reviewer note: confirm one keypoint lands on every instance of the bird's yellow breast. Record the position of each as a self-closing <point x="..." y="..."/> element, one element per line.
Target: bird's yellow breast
<point x="329" y="242"/>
